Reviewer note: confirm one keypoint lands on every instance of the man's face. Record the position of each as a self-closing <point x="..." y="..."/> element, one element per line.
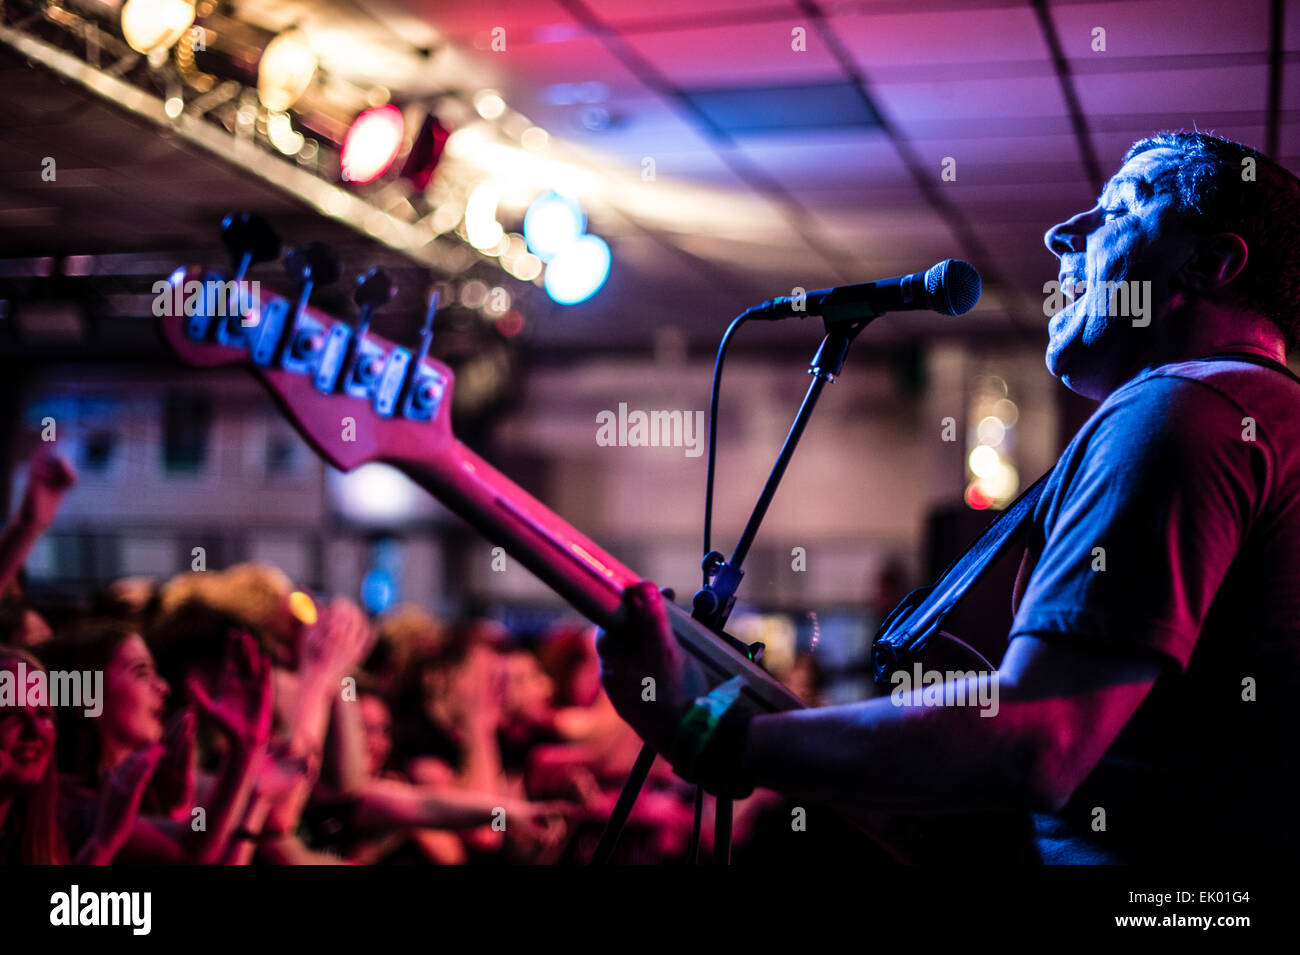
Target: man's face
<point x="1129" y="236"/>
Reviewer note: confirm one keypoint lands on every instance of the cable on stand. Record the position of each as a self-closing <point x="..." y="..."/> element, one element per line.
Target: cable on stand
<point x="713" y="602"/>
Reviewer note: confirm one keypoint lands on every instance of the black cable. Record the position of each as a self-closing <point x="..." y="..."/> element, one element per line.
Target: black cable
<point x="713" y="432"/>
<point x="694" y="850"/>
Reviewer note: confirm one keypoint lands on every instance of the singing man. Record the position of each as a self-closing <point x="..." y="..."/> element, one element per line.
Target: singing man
<point x="1149" y="711"/>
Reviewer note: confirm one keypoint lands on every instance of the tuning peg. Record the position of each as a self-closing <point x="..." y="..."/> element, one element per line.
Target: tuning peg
<point x="309" y="265"/>
<point x="249" y="239"/>
<point x="312" y="264"/>
<point x="374" y="288"/>
<point x="426" y="332"/>
<point x="423" y="388"/>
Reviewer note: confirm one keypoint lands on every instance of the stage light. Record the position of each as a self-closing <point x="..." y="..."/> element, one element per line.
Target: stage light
<point x="552" y="222"/>
<point x="302" y="607"/>
<point x="377" y="590"/>
<point x="372" y="143"/>
<point x="534" y="139"/>
<point x="1002" y="484"/>
<point x="481" y="226"/>
<point x="578" y="271"/>
<point x="285" y="71"/>
<point x="1007" y="411"/>
<point x="377" y="495"/>
<point x="150" y="25"/>
<point x="983" y="461"/>
<point x="489" y="104"/>
<point x="510" y="324"/>
<point x="279" y="129"/>
<point x="976" y="498"/>
<point x="515" y="247"/>
<point x="527" y="267"/>
<point x="991" y="431"/>
<point x="473" y="293"/>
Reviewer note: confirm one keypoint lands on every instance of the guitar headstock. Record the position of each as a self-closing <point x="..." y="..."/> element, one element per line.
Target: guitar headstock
<point x="355" y="397"/>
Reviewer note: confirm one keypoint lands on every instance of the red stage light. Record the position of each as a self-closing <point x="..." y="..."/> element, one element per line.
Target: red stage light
<point x="976" y="498"/>
<point x="372" y="143"/>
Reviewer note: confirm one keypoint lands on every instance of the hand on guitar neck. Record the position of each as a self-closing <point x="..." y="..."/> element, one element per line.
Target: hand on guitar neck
<point x="650" y="681"/>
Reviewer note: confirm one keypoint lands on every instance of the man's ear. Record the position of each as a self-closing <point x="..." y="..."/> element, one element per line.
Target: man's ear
<point x="1218" y="259"/>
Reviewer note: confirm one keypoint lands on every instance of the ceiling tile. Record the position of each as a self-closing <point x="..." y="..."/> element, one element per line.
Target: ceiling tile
<point x="904" y="41"/>
<point x="975" y="107"/>
<point x="1159" y="28"/>
<point x="737" y="55"/>
<point x="829" y="160"/>
<point x="1184" y="91"/>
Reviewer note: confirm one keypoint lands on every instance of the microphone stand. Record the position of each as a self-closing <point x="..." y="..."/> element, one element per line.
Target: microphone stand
<point x="713" y="603"/>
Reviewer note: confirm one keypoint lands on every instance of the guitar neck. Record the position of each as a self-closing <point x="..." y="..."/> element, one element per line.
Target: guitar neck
<point x="400" y="416"/>
<point x="569" y="563"/>
<point x="574" y="567"/>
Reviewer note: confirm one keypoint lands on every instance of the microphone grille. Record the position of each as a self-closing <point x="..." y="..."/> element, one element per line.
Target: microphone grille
<point x="953" y="287"/>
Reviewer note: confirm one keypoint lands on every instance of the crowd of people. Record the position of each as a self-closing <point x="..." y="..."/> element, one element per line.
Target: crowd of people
<point x="242" y="721"/>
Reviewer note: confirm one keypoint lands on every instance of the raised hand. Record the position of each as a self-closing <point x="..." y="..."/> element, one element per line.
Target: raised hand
<point x="243" y="705"/>
<point x="49" y="478"/>
<point x="337" y="642"/>
<point x="484" y="690"/>
<point x="542" y="837"/>
<point x="282" y="773"/>
<point x="174" y="778"/>
<point x="119" y="805"/>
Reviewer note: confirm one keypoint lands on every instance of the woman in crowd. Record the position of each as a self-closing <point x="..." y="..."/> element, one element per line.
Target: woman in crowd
<point x="41" y="823"/>
<point x="92" y="748"/>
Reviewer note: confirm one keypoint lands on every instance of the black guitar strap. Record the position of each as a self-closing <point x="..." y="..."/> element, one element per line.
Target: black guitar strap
<point x="906" y="632"/>
<point x="910" y="626"/>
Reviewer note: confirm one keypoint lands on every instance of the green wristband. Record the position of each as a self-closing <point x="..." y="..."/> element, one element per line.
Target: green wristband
<point x="710" y="740"/>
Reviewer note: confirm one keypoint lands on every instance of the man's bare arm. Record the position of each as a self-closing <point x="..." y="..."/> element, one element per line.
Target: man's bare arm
<point x="1060" y="705"/>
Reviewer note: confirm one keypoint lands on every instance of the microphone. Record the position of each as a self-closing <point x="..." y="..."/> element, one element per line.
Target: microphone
<point x="952" y="287"/>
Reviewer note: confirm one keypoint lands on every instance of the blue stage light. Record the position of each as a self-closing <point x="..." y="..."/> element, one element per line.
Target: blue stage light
<point x="552" y="222"/>
<point x="377" y="590"/>
<point x="578" y="270"/>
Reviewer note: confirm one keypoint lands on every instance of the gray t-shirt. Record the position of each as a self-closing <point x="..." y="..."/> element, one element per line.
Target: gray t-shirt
<point x="1171" y="525"/>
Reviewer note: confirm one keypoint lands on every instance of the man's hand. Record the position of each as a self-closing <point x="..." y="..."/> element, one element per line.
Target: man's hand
<point x="642" y="648"/>
<point x="49" y="478"/>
